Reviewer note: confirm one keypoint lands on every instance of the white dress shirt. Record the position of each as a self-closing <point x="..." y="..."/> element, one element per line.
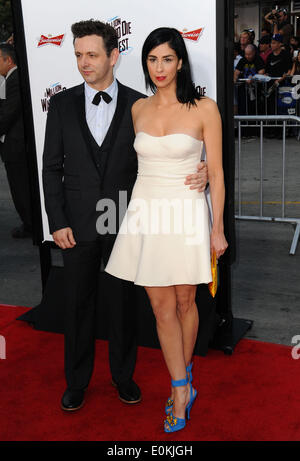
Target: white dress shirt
<point x="100" y="117"/>
<point x="2" y="87"/>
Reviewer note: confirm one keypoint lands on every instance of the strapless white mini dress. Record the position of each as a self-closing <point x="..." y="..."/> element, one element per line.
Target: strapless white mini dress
<point x="164" y="238"/>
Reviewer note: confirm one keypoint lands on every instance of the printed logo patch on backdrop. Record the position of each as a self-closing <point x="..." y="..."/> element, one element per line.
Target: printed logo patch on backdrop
<point x="49" y="40"/>
<point x="53" y="89"/>
<point x="193" y="35"/>
<point x="124" y="31"/>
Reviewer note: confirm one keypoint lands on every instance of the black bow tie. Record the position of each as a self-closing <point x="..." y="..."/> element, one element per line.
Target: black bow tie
<point x="97" y="98"/>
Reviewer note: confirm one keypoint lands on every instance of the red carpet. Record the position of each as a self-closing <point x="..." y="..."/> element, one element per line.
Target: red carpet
<point x="252" y="395"/>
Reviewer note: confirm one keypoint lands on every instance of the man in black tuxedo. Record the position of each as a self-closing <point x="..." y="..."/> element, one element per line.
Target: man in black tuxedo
<point x="12" y="143"/>
<point x="88" y="156"/>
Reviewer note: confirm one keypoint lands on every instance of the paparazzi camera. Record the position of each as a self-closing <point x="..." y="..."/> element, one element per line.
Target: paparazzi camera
<point x="275" y="17"/>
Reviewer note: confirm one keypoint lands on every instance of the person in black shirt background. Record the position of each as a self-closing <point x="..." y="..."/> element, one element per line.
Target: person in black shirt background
<point x="247" y="67"/>
<point x="278" y="64"/>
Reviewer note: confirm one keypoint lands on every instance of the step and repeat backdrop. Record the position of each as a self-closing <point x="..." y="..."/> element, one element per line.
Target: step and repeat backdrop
<point x="50" y="54"/>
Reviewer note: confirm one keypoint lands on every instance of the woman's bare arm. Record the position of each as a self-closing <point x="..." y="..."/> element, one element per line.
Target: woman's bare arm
<point x="212" y="134"/>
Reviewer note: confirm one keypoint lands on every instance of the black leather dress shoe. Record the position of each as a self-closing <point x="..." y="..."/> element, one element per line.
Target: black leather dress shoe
<point x="72" y="400"/>
<point x="129" y="392"/>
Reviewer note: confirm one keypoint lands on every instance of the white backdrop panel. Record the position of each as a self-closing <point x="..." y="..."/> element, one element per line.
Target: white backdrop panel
<point x="53" y="67"/>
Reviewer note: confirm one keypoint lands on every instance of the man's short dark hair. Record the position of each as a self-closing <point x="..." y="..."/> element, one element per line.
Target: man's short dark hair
<point x="8" y="50"/>
<point x="265" y="40"/>
<point x="283" y="10"/>
<point x="94" y="27"/>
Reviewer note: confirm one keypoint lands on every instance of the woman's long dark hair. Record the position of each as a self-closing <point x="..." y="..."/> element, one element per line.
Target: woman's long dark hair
<point x="185" y="90"/>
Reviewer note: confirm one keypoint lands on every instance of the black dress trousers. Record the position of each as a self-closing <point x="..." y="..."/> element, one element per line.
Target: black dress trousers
<point x="81" y="275"/>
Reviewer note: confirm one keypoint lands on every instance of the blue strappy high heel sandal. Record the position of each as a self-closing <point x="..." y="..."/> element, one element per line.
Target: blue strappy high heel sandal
<point x="169" y="404"/>
<point x="172" y="423"/>
<point x="193" y="395"/>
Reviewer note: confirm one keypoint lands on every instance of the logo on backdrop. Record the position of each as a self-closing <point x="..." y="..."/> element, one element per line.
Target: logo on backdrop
<point x="193" y="35"/>
<point x="53" y="89"/>
<point x="123" y="29"/>
<point x="201" y="90"/>
<point x="49" y="40"/>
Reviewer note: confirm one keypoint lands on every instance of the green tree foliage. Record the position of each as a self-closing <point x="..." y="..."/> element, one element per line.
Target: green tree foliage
<point x="6" y="27"/>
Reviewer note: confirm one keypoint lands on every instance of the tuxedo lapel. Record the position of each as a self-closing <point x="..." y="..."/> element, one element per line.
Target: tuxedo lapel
<point x="11" y="78"/>
<point x="87" y="135"/>
<point x="110" y="138"/>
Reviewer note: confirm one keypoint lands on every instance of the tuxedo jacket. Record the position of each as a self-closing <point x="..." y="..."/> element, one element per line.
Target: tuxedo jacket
<point x="11" y="122"/>
<point x="77" y="173"/>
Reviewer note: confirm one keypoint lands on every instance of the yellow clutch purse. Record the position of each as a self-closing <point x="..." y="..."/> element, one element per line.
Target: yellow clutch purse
<point x="212" y="286"/>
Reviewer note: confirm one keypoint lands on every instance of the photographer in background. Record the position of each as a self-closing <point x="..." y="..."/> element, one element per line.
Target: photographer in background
<point x="278" y="18"/>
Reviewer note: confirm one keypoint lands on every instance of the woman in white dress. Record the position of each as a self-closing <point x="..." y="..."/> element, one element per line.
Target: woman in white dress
<point x="165" y="241"/>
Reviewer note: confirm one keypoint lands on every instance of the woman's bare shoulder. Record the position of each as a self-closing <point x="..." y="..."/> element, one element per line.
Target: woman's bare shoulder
<point x="208" y="110"/>
<point x="206" y="103"/>
<point x="139" y="103"/>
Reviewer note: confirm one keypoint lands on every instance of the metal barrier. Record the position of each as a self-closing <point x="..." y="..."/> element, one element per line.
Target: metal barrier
<point x="261" y="217"/>
<point x="265" y="98"/>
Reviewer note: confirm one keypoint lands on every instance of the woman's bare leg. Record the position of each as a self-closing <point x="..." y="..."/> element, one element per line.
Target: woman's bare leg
<point x="189" y="318"/>
<point x="170" y="334"/>
<point x="187" y="313"/>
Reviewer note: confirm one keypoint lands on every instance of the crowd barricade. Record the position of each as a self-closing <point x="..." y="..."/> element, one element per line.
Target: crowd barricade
<point x="261" y="97"/>
<point x="264" y="122"/>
